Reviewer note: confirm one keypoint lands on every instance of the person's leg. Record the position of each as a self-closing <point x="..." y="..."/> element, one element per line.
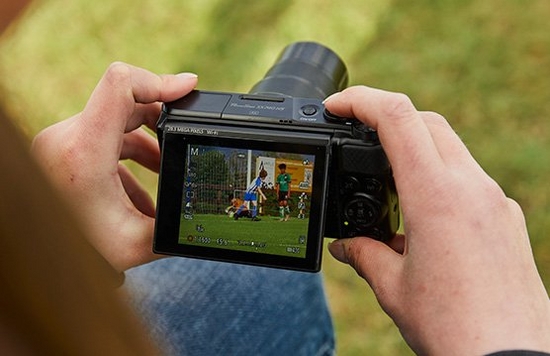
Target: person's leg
<point x="196" y="307"/>
<point x="241" y="209"/>
<point x="254" y="209"/>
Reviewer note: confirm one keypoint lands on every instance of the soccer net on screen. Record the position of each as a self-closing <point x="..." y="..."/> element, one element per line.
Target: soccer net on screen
<point x="216" y="176"/>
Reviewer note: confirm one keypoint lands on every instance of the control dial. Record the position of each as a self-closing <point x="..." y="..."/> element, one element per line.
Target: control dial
<point x="363" y="132"/>
<point x="358" y="129"/>
<point x="362" y="210"/>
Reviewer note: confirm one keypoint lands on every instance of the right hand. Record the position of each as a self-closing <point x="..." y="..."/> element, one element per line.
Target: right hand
<point x="463" y="279"/>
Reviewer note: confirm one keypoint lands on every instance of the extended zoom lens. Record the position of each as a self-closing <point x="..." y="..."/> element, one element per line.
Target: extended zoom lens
<point x="304" y="69"/>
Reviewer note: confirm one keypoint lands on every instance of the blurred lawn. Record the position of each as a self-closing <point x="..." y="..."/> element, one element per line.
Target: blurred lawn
<point x="483" y="64"/>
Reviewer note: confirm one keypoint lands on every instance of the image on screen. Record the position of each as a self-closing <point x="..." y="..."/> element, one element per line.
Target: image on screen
<point x="246" y="200"/>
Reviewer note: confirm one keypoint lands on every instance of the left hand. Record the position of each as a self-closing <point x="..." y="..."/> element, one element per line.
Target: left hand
<point x="82" y="154"/>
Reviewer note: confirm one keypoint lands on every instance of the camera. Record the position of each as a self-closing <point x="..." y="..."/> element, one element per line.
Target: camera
<point x="262" y="177"/>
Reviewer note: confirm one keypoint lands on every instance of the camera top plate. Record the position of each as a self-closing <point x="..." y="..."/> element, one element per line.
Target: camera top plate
<point x="272" y="110"/>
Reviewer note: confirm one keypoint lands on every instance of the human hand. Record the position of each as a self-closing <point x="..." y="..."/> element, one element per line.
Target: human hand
<point x="463" y="279"/>
<point x="82" y="153"/>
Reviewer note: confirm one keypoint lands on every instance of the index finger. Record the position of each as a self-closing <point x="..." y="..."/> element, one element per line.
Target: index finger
<point x="123" y="86"/>
<point x="402" y="131"/>
<point x="124" y="99"/>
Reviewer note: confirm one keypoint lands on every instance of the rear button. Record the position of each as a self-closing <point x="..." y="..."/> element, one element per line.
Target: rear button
<point x="309" y="110"/>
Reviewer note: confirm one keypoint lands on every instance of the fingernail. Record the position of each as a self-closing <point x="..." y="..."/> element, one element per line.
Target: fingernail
<point x="187" y="75"/>
<point x="337" y="249"/>
<point x="330" y="97"/>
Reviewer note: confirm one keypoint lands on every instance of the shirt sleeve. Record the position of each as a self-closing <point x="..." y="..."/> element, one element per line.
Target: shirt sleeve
<point x="519" y="353"/>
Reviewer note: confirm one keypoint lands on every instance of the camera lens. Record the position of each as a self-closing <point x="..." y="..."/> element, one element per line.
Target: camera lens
<point x="304" y="69"/>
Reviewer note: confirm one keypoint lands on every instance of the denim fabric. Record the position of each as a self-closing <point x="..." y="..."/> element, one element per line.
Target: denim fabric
<point x="198" y="307"/>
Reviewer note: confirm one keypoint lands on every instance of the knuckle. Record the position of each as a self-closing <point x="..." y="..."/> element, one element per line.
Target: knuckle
<point x="118" y="66"/>
<point x="435" y="118"/>
<point x="397" y="106"/>
<point x="492" y="192"/>
<point x="516" y="211"/>
<point x="356" y="90"/>
<point x="45" y="142"/>
<point x="117" y="72"/>
<point x="56" y="149"/>
<point x="39" y="142"/>
<point x="488" y="196"/>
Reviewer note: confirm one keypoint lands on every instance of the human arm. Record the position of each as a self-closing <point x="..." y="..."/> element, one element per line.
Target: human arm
<point x="262" y="194"/>
<point x="82" y="154"/>
<point x="289" y="180"/>
<point x="462" y="280"/>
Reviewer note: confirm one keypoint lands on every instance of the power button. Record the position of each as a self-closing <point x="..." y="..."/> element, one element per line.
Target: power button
<point x="309" y="110"/>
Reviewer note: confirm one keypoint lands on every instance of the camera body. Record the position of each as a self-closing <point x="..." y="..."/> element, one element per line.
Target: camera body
<point x="345" y="173"/>
<point x="238" y="169"/>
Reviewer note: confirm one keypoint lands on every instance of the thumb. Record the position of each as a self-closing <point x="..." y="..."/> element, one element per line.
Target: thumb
<point x="373" y="260"/>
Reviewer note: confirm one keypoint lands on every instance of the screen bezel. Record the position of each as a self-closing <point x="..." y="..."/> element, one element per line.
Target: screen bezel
<point x="171" y="185"/>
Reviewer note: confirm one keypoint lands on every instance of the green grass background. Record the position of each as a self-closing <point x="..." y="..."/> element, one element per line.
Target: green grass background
<point x="483" y="64"/>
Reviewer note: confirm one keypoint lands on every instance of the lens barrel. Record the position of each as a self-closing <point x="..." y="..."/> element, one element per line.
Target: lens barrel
<point x="304" y="69"/>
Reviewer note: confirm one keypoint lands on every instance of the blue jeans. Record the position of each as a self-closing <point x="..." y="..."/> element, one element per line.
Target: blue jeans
<point x="195" y="307"/>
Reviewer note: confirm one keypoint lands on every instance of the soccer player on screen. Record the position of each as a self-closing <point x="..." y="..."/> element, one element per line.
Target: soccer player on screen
<point x="283" y="192"/>
<point x="232" y="210"/>
<point x="251" y="197"/>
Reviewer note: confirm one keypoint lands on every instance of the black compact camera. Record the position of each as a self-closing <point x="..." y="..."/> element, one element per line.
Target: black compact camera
<point x="260" y="178"/>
